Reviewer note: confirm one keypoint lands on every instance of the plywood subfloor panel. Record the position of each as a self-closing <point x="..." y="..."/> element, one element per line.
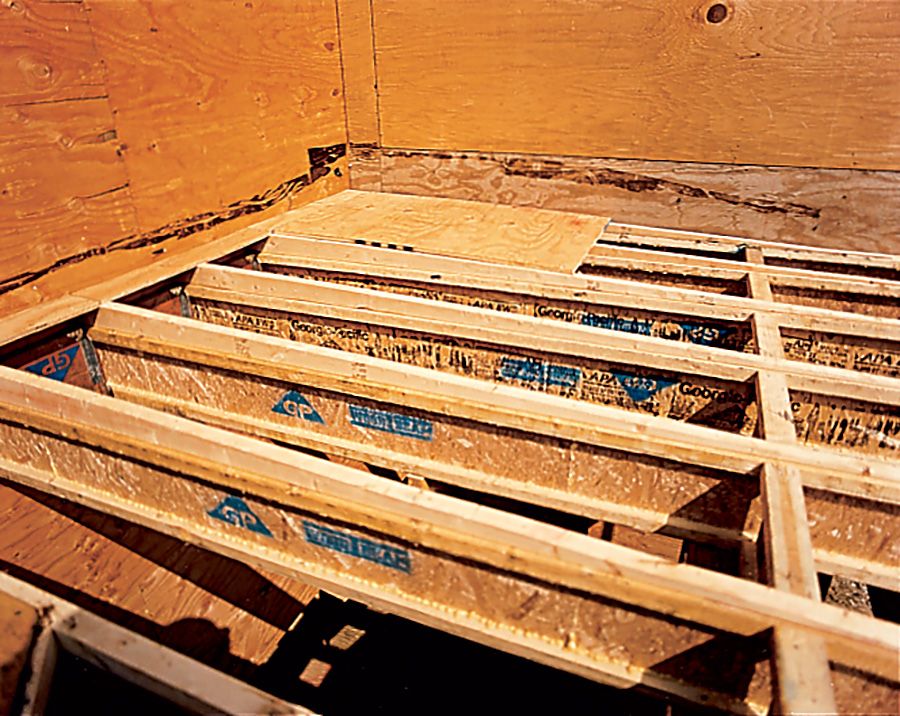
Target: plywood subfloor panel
<point x="522" y="236"/>
<point x="209" y="607"/>
<point x="831" y="208"/>
<point x="804" y="83"/>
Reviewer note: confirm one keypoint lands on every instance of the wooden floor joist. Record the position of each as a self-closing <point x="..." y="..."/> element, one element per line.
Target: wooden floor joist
<point x="810" y="334"/>
<point x="742" y="396"/>
<point x="694" y="383"/>
<point x="770" y="253"/>
<point x="597" y="609"/>
<point x="856" y="293"/>
<point x="597" y="461"/>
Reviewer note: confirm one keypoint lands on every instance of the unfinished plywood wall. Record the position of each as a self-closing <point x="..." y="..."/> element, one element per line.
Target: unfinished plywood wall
<point x="132" y="129"/>
<point x="776" y="120"/>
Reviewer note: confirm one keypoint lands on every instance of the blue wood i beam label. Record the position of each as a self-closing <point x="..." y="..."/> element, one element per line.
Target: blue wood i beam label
<point x="388" y="422"/>
<point x="346" y="543"/>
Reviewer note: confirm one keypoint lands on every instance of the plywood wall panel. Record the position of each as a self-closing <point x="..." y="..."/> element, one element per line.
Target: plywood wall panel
<point x="357" y="57"/>
<point x="801" y="83"/>
<point x="131" y="131"/>
<point x="47" y="53"/>
<point x="64" y="188"/>
<point x="832" y="208"/>
<point x="216" y="106"/>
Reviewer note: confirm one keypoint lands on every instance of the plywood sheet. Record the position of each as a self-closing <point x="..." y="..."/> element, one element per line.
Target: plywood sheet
<point x="523" y="236"/>
<point x="47" y="53"/>
<point x="806" y="83"/>
<point x="130" y="133"/>
<point x="63" y="187"/>
<point x="358" y="61"/>
<point x="216" y="105"/>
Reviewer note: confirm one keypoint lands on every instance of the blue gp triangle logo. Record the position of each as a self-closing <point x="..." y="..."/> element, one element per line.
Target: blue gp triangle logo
<point x="55" y="366"/>
<point x="641" y="387"/>
<point x="235" y="511"/>
<point x="295" y="405"/>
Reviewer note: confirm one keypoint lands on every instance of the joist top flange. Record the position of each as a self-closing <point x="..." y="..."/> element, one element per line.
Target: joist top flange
<point x="524" y="236"/>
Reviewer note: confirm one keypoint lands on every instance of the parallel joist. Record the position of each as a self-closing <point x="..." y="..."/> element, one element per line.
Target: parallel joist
<point x="594" y="608"/>
<point x="771" y="252"/>
<point x="868" y="344"/>
<point x="694" y="383"/>
<point x="602" y="462"/>
<point x="871" y="295"/>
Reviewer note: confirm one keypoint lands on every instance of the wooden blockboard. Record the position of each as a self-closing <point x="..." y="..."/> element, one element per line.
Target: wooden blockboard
<point x="532" y="237"/>
<point x="806" y="83"/>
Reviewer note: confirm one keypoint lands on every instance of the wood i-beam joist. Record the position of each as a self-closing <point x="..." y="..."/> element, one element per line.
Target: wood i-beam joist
<point x="869" y="344"/>
<point x="597" y="461"/>
<point x="813" y="258"/>
<point x="694" y="383"/>
<point x="870" y="295"/>
<point x="594" y="608"/>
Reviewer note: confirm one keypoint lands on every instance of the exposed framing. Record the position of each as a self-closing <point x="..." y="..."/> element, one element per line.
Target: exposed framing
<point x="57" y="429"/>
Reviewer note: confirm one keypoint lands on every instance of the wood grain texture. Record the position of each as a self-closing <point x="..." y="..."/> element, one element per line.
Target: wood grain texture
<point x="66" y="191"/>
<point x="128" y="131"/>
<point x="207" y="606"/>
<point x="365" y="168"/>
<point x="47" y="53"/>
<point x="543" y="239"/>
<point x="813" y="83"/>
<point x="830" y="208"/>
<point x="358" y="63"/>
<point x="200" y="130"/>
<point x="63" y="188"/>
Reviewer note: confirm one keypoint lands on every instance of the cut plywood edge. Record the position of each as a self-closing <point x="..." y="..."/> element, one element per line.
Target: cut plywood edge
<point x="524" y="236"/>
